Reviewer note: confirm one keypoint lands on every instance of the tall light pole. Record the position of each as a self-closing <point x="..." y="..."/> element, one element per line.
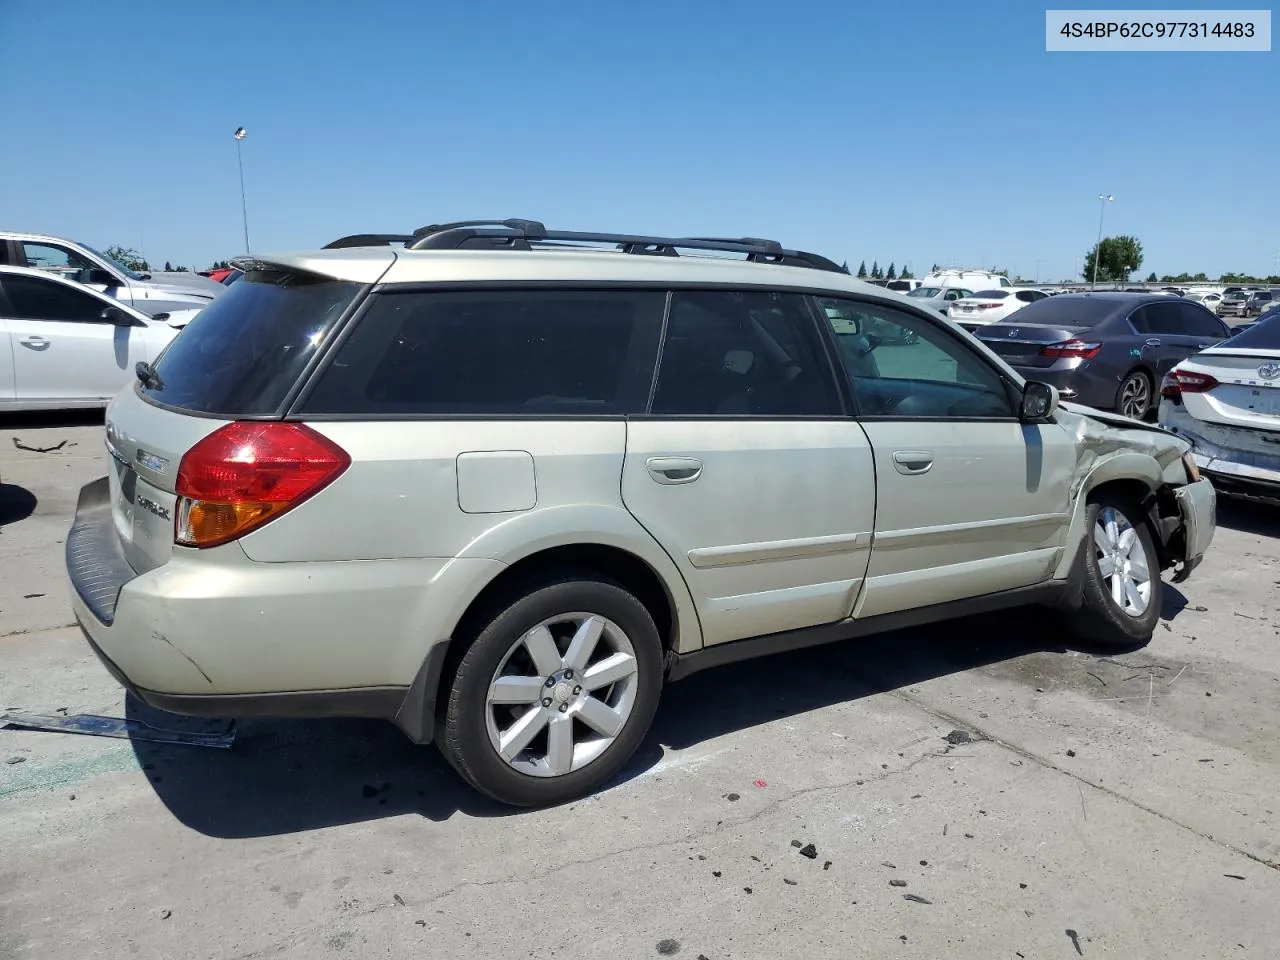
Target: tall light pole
<point x="240" y="134"/>
<point x="1105" y="198"/>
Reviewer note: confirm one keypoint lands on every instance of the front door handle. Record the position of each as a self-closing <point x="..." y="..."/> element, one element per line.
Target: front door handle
<point x="911" y="462"/>
<point x="35" y="342"/>
<point x="1153" y="343"/>
<point x="674" y="469"/>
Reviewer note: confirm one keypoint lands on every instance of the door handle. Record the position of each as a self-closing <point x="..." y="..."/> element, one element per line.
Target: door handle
<point x="911" y="462"/>
<point x="674" y="469"/>
<point x="1153" y="343"/>
<point x="37" y="342"/>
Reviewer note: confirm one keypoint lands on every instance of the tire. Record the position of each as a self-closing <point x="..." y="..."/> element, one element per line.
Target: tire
<point x="1102" y="620"/>
<point x="1135" y="387"/>
<point x="544" y="708"/>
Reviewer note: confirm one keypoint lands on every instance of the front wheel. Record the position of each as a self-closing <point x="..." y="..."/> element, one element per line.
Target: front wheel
<point x="1123" y="592"/>
<point x="554" y="694"/>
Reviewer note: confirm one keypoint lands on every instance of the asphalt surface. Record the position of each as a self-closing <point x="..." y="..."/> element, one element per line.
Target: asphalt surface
<point x="1083" y="805"/>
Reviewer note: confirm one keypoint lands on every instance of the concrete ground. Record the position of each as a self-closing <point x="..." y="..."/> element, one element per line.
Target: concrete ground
<point x="1099" y="806"/>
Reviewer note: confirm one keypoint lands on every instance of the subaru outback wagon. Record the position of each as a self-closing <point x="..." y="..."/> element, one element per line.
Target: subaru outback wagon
<point x="497" y="484"/>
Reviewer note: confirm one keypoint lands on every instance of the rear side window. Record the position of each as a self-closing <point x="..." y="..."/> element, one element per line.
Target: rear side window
<point x="743" y="353"/>
<point x="496" y="353"/>
<point x="243" y="353"/>
<point x="1200" y="323"/>
<point x="990" y="294"/>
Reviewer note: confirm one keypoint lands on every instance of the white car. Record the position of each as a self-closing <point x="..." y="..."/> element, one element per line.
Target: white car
<point x="1226" y="401"/>
<point x="1209" y="301"/>
<point x="991" y="306"/>
<point x="152" y="293"/>
<point x="65" y="346"/>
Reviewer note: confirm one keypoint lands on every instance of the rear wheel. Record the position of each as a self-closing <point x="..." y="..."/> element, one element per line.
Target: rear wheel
<point x="1133" y="399"/>
<point x="554" y="694"/>
<point x="1122" y="587"/>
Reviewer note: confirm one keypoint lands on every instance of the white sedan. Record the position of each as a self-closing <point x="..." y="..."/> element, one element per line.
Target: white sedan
<point x="1225" y="401"/>
<point x="66" y="346"/>
<point x="1209" y="301"/>
<point x="991" y="306"/>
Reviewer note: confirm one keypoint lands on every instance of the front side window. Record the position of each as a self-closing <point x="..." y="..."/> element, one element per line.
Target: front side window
<point x="903" y="367"/>
<point x="34" y="298"/>
<point x="495" y="353"/>
<point x="743" y="353"/>
<point x="1199" y="322"/>
<point x="57" y="260"/>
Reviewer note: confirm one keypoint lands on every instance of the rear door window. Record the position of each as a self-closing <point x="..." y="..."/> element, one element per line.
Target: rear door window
<point x="743" y="353"/>
<point x="495" y="353"/>
<point x="243" y="354"/>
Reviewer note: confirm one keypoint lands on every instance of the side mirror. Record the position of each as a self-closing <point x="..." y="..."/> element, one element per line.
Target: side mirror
<point x="869" y="344"/>
<point x="1039" y="401"/>
<point x="116" y="317"/>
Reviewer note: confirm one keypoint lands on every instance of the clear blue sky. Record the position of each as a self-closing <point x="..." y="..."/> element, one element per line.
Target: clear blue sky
<point x="914" y="132"/>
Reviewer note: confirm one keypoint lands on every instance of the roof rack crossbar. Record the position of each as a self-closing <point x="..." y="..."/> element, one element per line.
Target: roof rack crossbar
<point x="520" y="234"/>
<point x="368" y="240"/>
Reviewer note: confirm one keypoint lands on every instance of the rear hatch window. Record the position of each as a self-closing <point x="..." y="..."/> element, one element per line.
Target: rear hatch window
<point x="242" y="354"/>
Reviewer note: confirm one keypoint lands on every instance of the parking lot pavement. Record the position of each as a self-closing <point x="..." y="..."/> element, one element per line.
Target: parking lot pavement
<point x="1090" y="805"/>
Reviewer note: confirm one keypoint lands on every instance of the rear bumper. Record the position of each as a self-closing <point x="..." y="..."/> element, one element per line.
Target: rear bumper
<point x="215" y="633"/>
<point x="1237" y="460"/>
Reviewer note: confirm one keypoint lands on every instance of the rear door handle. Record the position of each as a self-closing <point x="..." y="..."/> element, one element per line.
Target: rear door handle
<point x="39" y="343"/>
<point x="911" y="462"/>
<point x="674" y="469"/>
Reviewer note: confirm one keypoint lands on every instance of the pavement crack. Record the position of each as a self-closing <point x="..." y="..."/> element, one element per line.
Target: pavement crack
<point x="1050" y="765"/>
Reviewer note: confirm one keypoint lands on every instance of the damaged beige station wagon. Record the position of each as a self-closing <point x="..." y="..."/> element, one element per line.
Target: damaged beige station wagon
<point x="497" y="484"/>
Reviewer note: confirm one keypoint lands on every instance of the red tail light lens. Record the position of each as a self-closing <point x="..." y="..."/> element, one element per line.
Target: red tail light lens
<point x="1177" y="382"/>
<point x="244" y="474"/>
<point x="1078" y="349"/>
<point x="989" y="306"/>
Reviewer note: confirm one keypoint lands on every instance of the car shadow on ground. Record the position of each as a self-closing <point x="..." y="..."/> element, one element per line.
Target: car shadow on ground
<point x="285" y="776"/>
<point x="51" y="419"/>
<point x="1248" y="516"/>
<point x="16" y="503"/>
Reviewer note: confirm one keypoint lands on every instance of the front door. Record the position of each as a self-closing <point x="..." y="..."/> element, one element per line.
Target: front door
<point x="62" y="347"/>
<point x="746" y="469"/>
<point x="969" y="500"/>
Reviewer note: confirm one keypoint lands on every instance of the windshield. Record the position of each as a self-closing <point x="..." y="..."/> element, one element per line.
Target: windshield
<point x="925" y="292"/>
<point x="1066" y="312"/>
<point x="115" y="263"/>
<point x="1263" y="335"/>
<point x="243" y="353"/>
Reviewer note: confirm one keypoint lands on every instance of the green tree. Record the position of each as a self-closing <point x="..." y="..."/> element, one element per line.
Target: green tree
<point x="127" y="256"/>
<point x="862" y="270"/>
<point x="1115" y="257"/>
<point x="875" y="270"/>
<point x="893" y="273"/>
<point x="935" y="269"/>
<point x="167" y="267"/>
<point x="906" y="274"/>
<point x="1151" y="278"/>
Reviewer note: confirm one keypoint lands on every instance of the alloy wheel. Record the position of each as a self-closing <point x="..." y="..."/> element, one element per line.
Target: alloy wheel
<point x="1122" y="561"/>
<point x="562" y="694"/>
<point x="1135" y="397"/>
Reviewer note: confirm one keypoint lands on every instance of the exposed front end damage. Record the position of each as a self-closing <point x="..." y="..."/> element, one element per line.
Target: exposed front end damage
<point x="1181" y="506"/>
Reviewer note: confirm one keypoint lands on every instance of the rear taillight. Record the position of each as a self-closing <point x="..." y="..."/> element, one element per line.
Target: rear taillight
<point x="244" y="474"/>
<point x="1177" y="382"/>
<point x="1077" y="349"/>
<point x="989" y="306"/>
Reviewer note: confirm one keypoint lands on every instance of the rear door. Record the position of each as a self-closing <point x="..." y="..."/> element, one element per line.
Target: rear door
<point x="969" y="501"/>
<point x="1166" y="337"/>
<point x="747" y="470"/>
<point x="63" y="349"/>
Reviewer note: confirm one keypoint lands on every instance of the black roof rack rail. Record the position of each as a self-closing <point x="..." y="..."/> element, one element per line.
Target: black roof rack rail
<point x="517" y="234"/>
<point x="368" y="240"/>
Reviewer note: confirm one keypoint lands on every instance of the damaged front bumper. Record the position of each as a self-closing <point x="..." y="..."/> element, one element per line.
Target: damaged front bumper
<point x="1198" y="510"/>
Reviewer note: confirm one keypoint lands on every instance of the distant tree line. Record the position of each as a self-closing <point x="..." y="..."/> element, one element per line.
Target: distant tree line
<point x="876" y="273"/>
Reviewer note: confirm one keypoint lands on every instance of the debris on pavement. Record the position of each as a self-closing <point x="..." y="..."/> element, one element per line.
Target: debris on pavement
<point x="810" y="851"/>
<point x="797" y="844"/>
<point x="914" y="899"/>
<point x="95" y="726"/>
<point x="732" y="797"/>
<point x="166" y="914"/>
<point x="668" y="947"/>
<point x="398" y="899"/>
<point x="1071" y="753"/>
<point x="32" y="596"/>
<point x="1233" y="876"/>
<point x="760" y="783"/>
<point x="886" y="863"/>
<point x="826" y="865"/>
<point x="15" y="759"/>
<point x="1075" y="941"/>
<point x="53" y="449"/>
<point x="958" y="737"/>
<point x="788" y="882"/>
<point x="897" y="883"/>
